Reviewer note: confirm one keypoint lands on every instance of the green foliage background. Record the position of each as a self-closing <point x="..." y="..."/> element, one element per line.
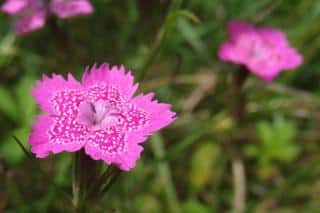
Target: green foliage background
<point x="186" y="168"/>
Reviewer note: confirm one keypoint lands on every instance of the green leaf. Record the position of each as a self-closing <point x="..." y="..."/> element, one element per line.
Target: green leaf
<point x="203" y="163"/>
<point x="192" y="37"/>
<point x="26" y="103"/>
<point x="264" y="132"/>
<point x="193" y="206"/>
<point x="277" y="139"/>
<point x="251" y="150"/>
<point x="10" y="150"/>
<point x="7" y="49"/>
<point x="7" y="104"/>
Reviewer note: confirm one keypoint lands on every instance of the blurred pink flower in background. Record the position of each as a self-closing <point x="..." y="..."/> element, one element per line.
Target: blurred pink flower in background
<point x="31" y="14"/>
<point x="264" y="51"/>
<point x="70" y="8"/>
<point x="100" y="115"/>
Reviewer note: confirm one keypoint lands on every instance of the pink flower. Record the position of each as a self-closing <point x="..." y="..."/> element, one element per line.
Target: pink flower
<point x="70" y="8"/>
<point x="100" y="115"/>
<point x="14" y="7"/>
<point x="264" y="51"/>
<point x="31" y="14"/>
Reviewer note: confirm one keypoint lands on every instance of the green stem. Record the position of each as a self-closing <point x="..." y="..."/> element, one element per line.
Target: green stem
<point x="238" y="167"/>
<point x="85" y="172"/>
<point x="76" y="182"/>
<point x="99" y="182"/>
<point x="113" y="176"/>
<point x="160" y="39"/>
<point x="164" y="173"/>
<point x="60" y="38"/>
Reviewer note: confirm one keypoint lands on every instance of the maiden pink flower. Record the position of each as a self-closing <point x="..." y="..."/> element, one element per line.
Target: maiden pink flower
<point x="70" y="8"/>
<point x="264" y="51"/>
<point x="31" y="14"/>
<point x="100" y="115"/>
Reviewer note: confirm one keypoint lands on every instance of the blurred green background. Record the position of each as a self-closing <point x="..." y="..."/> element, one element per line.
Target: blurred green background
<point x="187" y="167"/>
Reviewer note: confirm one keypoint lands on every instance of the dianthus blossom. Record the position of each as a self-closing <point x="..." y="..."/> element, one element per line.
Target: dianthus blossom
<point x="31" y="14"/>
<point x="100" y="115"/>
<point x="264" y="51"/>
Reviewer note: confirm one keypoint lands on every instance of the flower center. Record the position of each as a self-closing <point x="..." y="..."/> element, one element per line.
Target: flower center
<point x="97" y="115"/>
<point x="261" y="49"/>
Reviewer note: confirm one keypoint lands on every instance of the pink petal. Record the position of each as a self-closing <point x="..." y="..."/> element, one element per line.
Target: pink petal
<point x="225" y="51"/>
<point x="267" y="72"/>
<point x="125" y="158"/>
<point x="70" y="8"/>
<point x="237" y="28"/>
<point x="46" y="89"/>
<point x="13" y="7"/>
<point x="232" y="52"/>
<point x="41" y="143"/>
<point x="160" y="114"/>
<point x="29" y="23"/>
<point x="115" y="76"/>
<point x="274" y="36"/>
<point x="293" y="59"/>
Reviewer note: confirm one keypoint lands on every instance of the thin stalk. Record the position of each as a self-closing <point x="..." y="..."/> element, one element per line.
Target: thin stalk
<point x="85" y="172"/>
<point x="76" y="181"/>
<point x="165" y="173"/>
<point x="59" y="37"/>
<point x="61" y="41"/>
<point x="239" y="180"/>
<point x="99" y="182"/>
<point x="111" y="180"/>
<point x="238" y="167"/>
<point x="160" y="39"/>
<point x="26" y="152"/>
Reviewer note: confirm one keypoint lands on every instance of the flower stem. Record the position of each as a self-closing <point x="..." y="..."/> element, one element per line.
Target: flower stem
<point x="238" y="167"/>
<point x="115" y="173"/>
<point x="61" y="42"/>
<point x="76" y="182"/>
<point x="85" y="173"/>
<point x="239" y="181"/>
<point x="160" y="39"/>
<point x="60" y="38"/>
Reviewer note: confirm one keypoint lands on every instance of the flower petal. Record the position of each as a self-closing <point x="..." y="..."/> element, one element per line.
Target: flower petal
<point x="41" y="140"/>
<point x="48" y="87"/>
<point x="275" y="37"/>
<point x="237" y="28"/>
<point x="160" y="114"/>
<point x="269" y="71"/>
<point x="13" y="7"/>
<point x="293" y="59"/>
<point x="70" y="8"/>
<point x="116" y="148"/>
<point x="227" y="52"/>
<point x="115" y="76"/>
<point x="29" y="23"/>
